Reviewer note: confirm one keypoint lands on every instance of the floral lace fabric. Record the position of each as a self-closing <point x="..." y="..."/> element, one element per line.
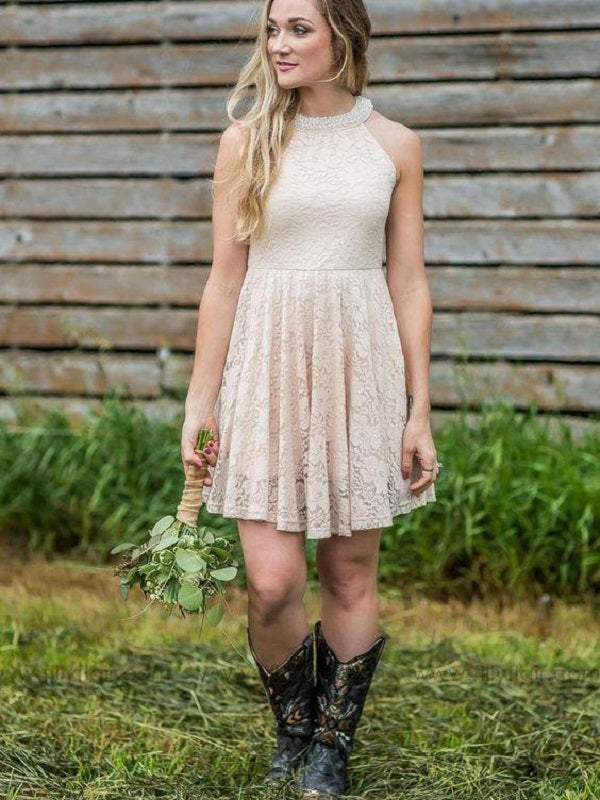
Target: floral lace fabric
<point x="312" y="403"/>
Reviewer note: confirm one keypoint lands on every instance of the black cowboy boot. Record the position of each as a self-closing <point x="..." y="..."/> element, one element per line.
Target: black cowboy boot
<point x="342" y="688"/>
<point x="291" y="695"/>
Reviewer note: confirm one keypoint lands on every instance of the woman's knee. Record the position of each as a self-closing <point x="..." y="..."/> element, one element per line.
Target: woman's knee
<point x="275" y="567"/>
<point x="269" y="592"/>
<point x="348" y="572"/>
<point x="349" y="583"/>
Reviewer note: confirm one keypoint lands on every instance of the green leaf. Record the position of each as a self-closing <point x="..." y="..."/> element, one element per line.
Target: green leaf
<point x="214" y="614"/>
<point x="190" y="597"/>
<point x="188" y="560"/>
<point x="219" y="551"/>
<point x="123" y="546"/>
<point x="167" y="540"/>
<point x="161" y="526"/>
<point x="208" y="537"/>
<point x="224" y="574"/>
<point x="124" y="591"/>
<point x="171" y="591"/>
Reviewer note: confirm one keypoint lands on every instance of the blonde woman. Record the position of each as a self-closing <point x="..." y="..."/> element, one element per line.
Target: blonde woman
<point x="312" y="366"/>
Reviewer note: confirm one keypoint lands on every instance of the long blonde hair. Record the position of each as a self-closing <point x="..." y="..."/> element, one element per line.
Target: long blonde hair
<point x="269" y="119"/>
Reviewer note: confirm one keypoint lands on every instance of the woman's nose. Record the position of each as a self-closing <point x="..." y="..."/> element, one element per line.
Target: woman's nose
<point x="278" y="43"/>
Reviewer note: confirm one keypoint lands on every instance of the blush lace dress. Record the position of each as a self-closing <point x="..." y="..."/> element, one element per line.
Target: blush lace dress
<point x="312" y="402"/>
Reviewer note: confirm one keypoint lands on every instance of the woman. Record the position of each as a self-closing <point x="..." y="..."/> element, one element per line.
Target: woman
<point x="306" y="354"/>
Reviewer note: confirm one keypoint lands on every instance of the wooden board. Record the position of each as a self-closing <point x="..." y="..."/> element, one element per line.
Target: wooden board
<point x="557" y="194"/>
<point x="85" y="23"/>
<point x="414" y="104"/>
<point x="462" y="151"/>
<point x="492" y="56"/>
<point x="539" y="289"/>
<point x="552" y="242"/>
<point x="551" y="386"/>
<point x="561" y="337"/>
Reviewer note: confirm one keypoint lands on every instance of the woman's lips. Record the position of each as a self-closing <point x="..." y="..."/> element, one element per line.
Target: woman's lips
<point x="285" y="67"/>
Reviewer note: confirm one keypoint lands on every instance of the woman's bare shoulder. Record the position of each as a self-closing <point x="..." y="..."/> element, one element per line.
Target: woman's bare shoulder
<point x="401" y="142"/>
<point x="233" y="137"/>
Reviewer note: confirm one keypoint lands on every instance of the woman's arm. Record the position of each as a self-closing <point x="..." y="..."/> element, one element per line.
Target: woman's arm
<point x="406" y="277"/>
<point x="409" y="289"/>
<point x="219" y="298"/>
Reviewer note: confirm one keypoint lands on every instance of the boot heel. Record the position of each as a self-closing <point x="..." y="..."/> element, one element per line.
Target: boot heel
<point x="341" y="691"/>
<point x="291" y="694"/>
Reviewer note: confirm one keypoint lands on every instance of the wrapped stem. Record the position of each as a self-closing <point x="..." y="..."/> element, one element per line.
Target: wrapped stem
<point x="191" y="497"/>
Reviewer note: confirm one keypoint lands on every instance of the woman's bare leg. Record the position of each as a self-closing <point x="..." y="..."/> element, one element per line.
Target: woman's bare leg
<point x="347" y="567"/>
<point x="276" y="577"/>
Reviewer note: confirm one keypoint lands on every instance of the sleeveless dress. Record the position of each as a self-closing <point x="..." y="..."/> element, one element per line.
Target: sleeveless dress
<point x="312" y="402"/>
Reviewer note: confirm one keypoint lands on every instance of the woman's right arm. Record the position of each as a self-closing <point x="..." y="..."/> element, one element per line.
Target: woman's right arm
<point x="218" y="302"/>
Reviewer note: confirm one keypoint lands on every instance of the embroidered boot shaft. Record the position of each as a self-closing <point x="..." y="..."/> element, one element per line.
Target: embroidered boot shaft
<point x="291" y="695"/>
<point x="342" y="688"/>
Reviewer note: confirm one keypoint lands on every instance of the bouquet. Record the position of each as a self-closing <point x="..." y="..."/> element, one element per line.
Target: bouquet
<point x="181" y="564"/>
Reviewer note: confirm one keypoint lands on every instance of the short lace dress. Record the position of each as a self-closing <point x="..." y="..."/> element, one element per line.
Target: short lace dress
<point x="312" y="402"/>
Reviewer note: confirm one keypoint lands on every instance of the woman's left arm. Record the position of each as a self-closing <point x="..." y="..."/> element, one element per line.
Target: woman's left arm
<point x="409" y="289"/>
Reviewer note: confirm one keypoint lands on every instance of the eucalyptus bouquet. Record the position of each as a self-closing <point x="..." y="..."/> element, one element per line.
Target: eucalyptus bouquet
<point x="181" y="564"/>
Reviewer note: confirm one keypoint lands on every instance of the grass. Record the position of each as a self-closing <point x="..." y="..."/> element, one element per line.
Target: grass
<point x="488" y="700"/>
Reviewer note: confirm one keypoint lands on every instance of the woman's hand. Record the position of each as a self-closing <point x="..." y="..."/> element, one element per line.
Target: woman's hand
<point x="189" y="437"/>
<point x="419" y="454"/>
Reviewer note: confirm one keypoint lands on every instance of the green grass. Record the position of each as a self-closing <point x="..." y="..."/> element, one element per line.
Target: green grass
<point x="518" y="505"/>
<point x="467" y="702"/>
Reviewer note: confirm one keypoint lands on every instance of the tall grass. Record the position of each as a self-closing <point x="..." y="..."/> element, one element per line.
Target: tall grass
<point x="518" y="508"/>
<point x="518" y="504"/>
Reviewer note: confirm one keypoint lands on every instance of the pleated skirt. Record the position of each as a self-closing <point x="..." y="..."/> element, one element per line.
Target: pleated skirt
<point x="312" y="405"/>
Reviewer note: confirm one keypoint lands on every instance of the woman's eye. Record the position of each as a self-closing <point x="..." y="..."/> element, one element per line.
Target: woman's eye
<point x="297" y="29"/>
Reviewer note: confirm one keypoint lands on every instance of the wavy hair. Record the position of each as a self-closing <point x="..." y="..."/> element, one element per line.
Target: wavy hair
<point x="269" y="120"/>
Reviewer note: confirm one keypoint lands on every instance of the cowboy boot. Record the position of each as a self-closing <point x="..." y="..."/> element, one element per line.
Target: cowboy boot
<point x="291" y="695"/>
<point x="341" y="692"/>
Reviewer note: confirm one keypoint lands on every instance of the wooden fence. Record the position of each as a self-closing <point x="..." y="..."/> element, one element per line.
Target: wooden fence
<point x="110" y="114"/>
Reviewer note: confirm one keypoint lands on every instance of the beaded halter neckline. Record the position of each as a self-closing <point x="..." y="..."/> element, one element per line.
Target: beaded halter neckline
<point x="357" y="114"/>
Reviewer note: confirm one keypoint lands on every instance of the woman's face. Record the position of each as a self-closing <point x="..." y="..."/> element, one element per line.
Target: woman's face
<point x="298" y="35"/>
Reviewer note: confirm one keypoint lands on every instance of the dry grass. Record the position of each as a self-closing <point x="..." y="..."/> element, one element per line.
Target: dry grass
<point x="471" y="700"/>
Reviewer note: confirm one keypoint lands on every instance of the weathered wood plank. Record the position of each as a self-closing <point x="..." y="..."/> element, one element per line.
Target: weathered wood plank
<point x="101" y="284"/>
<point x="106" y="198"/>
<point x="517" y="336"/>
<point x="465" y="242"/>
<point x="448" y="150"/>
<point x="424" y="104"/>
<point x="492" y="56"/>
<point x="568" y="289"/>
<point x="132" y="22"/>
<point x="543" y="195"/>
<point x="515" y="289"/>
<point x="512" y="242"/>
<point x="79" y="373"/>
<point x="574" y="337"/>
<point x="551" y="386"/>
<point x="150" y="242"/>
<point x="181" y="154"/>
<point x="464" y="196"/>
<point x="14" y="409"/>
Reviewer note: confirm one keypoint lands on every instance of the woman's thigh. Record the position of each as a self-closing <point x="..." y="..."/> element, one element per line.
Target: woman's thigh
<point x="341" y="559"/>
